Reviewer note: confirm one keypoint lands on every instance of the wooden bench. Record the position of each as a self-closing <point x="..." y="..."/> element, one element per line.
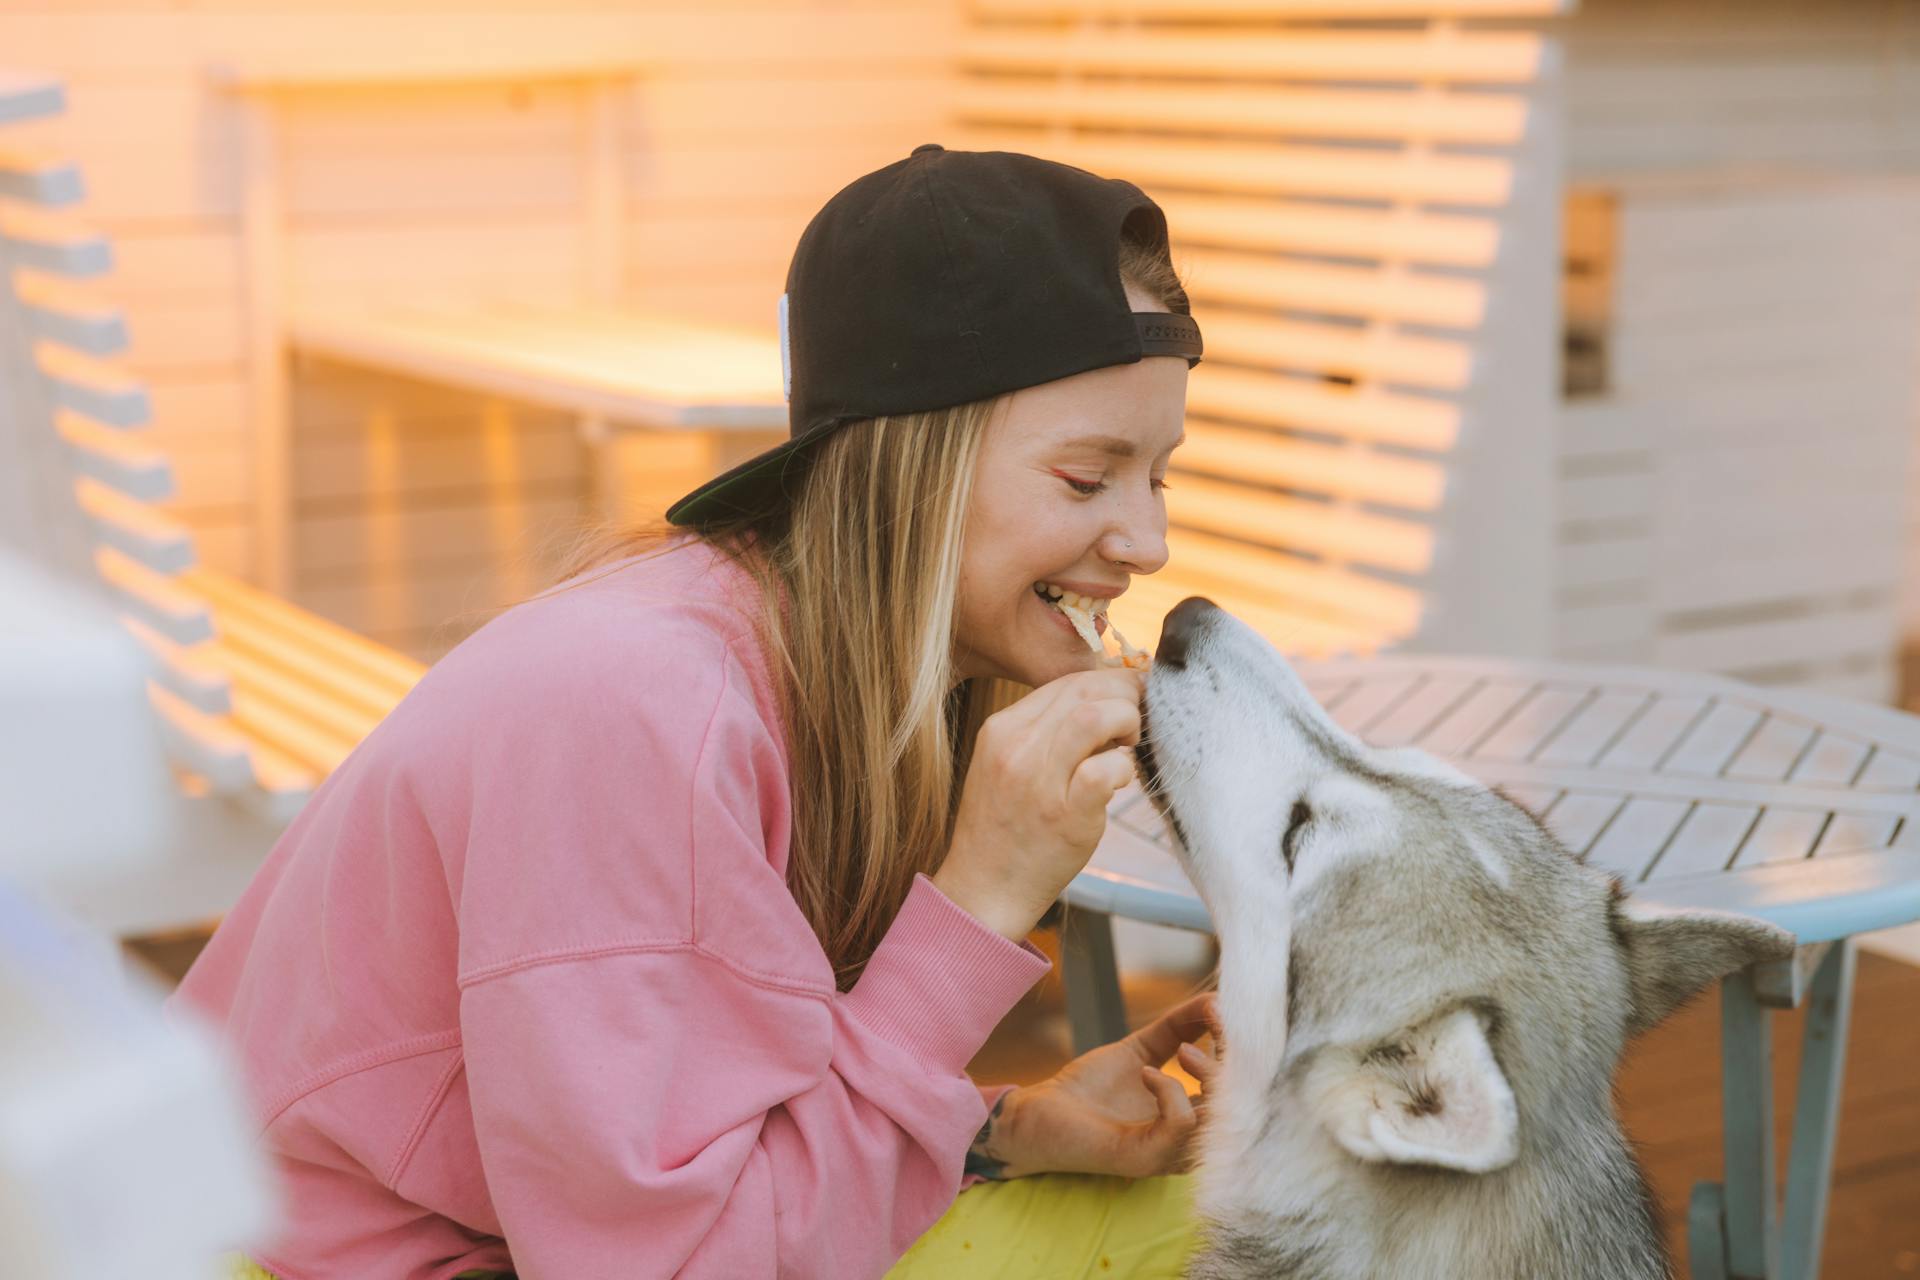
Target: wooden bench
<point x="615" y="366"/>
<point x="259" y="699"/>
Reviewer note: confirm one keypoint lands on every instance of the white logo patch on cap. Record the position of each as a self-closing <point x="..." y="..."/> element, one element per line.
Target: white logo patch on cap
<point x="786" y="353"/>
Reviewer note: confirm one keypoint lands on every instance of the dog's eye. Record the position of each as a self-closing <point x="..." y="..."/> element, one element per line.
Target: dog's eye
<point x="1296" y="823"/>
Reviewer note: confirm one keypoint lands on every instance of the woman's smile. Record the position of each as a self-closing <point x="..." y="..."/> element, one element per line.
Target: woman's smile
<point x="1059" y="619"/>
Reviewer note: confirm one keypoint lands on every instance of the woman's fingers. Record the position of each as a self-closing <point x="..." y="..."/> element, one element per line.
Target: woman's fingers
<point x="1160" y="1142"/>
<point x="1197" y="1064"/>
<point x="1175" y="1107"/>
<point x="1188" y="1020"/>
<point x="1097" y="779"/>
<point x="1089" y="727"/>
<point x="1081" y="686"/>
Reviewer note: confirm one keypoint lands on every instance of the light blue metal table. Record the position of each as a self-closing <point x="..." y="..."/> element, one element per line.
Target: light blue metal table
<point x="1698" y="791"/>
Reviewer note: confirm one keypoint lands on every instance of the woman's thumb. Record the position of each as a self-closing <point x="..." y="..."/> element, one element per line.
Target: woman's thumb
<point x="1175" y="1107"/>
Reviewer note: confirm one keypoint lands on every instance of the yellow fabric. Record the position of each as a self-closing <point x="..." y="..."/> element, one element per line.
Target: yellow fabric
<point x="1059" y="1226"/>
<point x="1052" y="1226"/>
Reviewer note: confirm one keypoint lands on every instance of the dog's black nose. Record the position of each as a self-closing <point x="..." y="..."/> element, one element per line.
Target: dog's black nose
<point x="1177" y="632"/>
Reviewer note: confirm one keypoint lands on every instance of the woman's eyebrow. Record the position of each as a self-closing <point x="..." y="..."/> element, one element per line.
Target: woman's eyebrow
<point x="1118" y="446"/>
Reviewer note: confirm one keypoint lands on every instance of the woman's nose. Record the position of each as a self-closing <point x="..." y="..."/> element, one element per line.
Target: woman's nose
<point x="1140" y="540"/>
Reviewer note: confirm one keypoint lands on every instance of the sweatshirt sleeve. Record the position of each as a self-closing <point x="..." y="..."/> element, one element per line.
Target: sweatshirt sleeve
<point x="684" y="1103"/>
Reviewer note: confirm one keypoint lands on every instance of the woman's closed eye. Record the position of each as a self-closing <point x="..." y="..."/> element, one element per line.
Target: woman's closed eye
<point x="1087" y="488"/>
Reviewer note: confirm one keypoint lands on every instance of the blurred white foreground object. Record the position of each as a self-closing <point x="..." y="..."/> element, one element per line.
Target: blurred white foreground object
<point x="124" y="1146"/>
<point x="124" y="1149"/>
<point x="83" y="775"/>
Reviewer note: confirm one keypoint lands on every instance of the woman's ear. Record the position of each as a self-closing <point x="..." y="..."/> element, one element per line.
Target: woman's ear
<point x="1433" y="1095"/>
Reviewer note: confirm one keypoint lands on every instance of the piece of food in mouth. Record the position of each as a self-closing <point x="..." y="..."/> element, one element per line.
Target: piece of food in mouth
<point x="1081" y="612"/>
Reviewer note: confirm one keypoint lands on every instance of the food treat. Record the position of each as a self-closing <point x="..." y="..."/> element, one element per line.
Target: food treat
<point x="1082" y="620"/>
<point x="1138" y="659"/>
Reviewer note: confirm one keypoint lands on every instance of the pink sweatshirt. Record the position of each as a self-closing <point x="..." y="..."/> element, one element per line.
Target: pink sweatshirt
<point x="523" y="986"/>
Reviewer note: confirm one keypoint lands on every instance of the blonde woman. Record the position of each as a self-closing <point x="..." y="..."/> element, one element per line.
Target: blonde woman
<point x="652" y="933"/>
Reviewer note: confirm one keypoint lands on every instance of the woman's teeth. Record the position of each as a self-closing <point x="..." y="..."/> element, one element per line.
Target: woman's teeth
<point x="1073" y="600"/>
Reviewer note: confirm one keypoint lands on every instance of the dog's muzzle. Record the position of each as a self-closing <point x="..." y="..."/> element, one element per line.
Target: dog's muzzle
<point x="1184" y="624"/>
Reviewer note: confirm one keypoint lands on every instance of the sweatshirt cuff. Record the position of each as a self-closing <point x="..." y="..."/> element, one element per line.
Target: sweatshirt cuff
<point x="940" y="981"/>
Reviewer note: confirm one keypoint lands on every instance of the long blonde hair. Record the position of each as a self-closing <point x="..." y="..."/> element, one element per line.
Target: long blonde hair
<point x="878" y="731"/>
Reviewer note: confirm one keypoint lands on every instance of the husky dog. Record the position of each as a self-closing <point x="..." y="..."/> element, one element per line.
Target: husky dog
<point x="1423" y="996"/>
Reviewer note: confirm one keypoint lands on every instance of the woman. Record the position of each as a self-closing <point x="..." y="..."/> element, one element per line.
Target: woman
<point x="653" y="931"/>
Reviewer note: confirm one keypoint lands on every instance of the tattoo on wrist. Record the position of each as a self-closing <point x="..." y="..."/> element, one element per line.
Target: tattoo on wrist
<point x="979" y="1161"/>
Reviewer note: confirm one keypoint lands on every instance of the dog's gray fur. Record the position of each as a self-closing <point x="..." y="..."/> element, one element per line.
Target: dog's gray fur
<point x="1424" y="996"/>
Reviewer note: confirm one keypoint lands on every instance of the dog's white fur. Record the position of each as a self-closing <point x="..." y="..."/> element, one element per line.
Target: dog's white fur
<point x="1424" y="996"/>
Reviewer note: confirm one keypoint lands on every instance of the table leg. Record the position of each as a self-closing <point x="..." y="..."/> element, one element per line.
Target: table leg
<point x="1707" y="1232"/>
<point x="1095" y="1010"/>
<point x="1746" y="1048"/>
<point x="1823" y="1058"/>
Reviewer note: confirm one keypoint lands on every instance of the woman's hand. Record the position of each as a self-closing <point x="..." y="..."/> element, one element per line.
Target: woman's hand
<point x="1111" y="1110"/>
<point x="1034" y="804"/>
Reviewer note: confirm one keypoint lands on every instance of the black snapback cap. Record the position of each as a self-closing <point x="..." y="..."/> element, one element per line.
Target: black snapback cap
<point x="944" y="278"/>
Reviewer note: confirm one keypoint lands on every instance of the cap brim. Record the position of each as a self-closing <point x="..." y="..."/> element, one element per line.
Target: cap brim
<point x="754" y="487"/>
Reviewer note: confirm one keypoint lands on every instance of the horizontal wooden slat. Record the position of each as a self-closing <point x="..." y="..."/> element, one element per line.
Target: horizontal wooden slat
<point x="1271" y="170"/>
<point x="296" y="719"/>
<point x="1249" y="279"/>
<point x="155" y="599"/>
<point x="281" y="666"/>
<point x="151" y="537"/>
<point x="1305" y="404"/>
<point x="1440" y="239"/>
<point x="92" y="387"/>
<point x="425" y="64"/>
<point x="187" y="671"/>
<point x="231" y="760"/>
<point x="1241" y="338"/>
<point x="52" y="243"/>
<point x="1141" y="611"/>
<point x="1241" y="110"/>
<point x="114" y="458"/>
<point x="1238" y="453"/>
<point x="346" y="649"/>
<point x="29" y="96"/>
<point x="1210" y="564"/>
<point x="1319" y="528"/>
<point x="1289" y="53"/>
<point x="208" y="745"/>
<point x="59" y="314"/>
<point x="39" y="179"/>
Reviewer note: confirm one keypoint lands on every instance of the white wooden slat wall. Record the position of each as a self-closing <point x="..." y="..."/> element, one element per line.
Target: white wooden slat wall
<point x="1787" y="87"/>
<point x="1690" y="84"/>
<point x="749" y="117"/>
<point x="1790" y="89"/>
<point x="1363" y="202"/>
<point x="1738" y="499"/>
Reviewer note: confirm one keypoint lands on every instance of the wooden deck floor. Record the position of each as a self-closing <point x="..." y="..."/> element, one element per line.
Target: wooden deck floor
<point x="1670" y="1099"/>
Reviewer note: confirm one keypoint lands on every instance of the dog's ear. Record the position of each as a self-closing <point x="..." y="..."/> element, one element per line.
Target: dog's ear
<point x="1432" y="1095"/>
<point x="1671" y="955"/>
